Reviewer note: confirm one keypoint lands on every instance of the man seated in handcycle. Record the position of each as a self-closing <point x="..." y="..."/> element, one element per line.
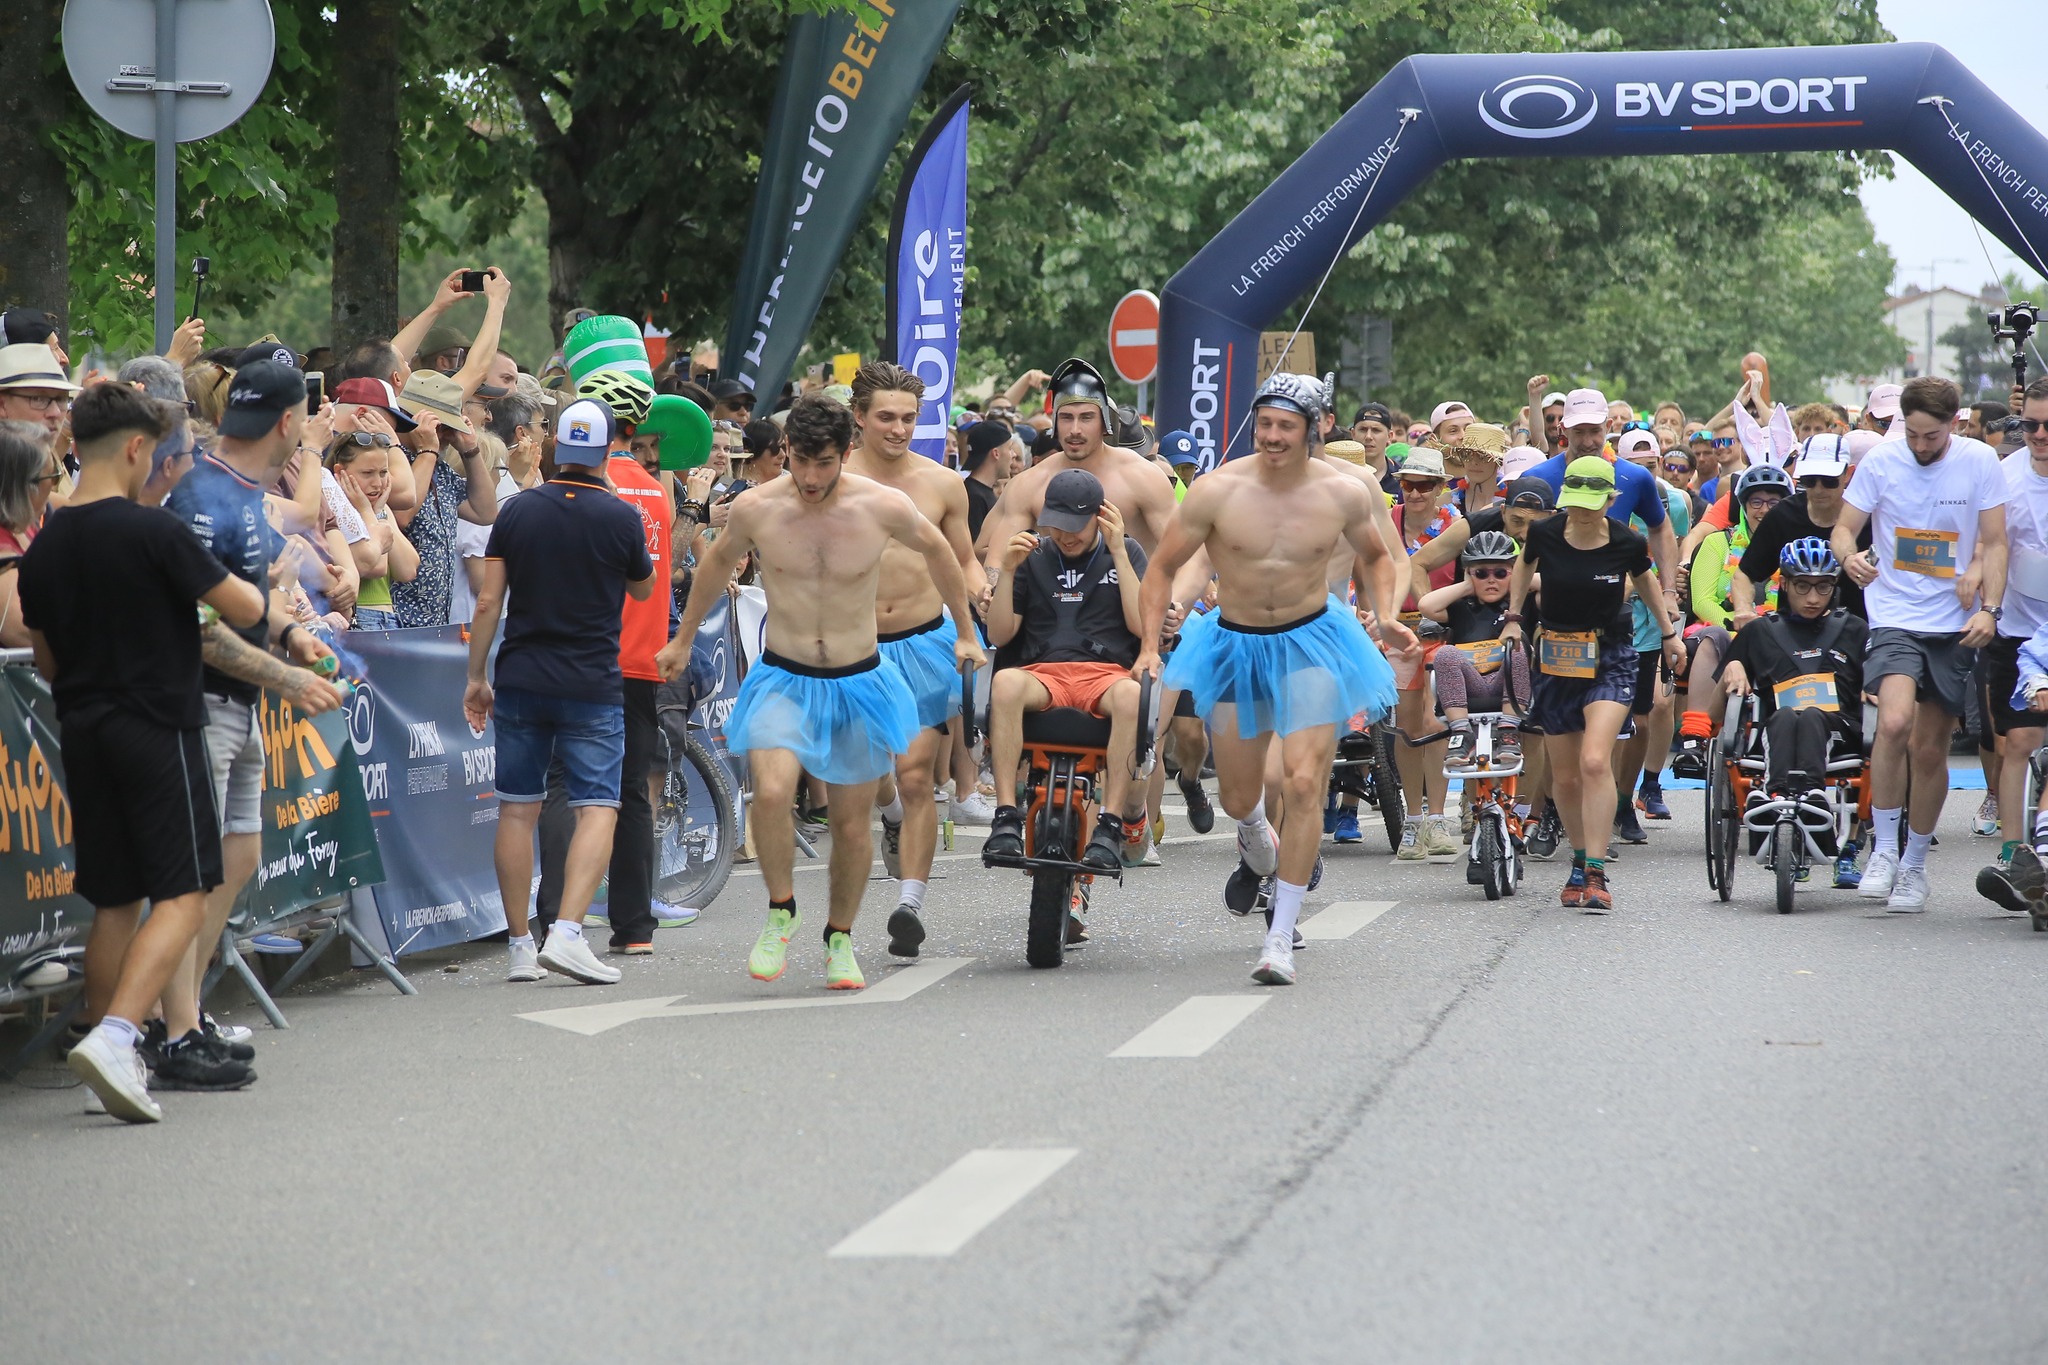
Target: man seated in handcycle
<point x="1067" y="599"/>
<point x="1806" y="660"/>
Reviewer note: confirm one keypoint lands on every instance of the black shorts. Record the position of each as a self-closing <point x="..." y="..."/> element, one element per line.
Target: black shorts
<point x="1649" y="672"/>
<point x="143" y="820"/>
<point x="1558" y="706"/>
<point x="1939" y="665"/>
<point x="2000" y="661"/>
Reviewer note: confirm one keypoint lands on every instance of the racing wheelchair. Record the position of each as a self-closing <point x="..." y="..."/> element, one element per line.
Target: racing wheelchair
<point x="1784" y="835"/>
<point x="1064" y="753"/>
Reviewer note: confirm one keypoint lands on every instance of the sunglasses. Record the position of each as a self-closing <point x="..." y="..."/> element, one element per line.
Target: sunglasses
<point x="1820" y="480"/>
<point x="1723" y="442"/>
<point x="1495" y="572"/>
<point x="2029" y="425"/>
<point x="366" y="438"/>
<point x="1677" y="467"/>
<point x="1583" y="481"/>
<point x="1421" y="485"/>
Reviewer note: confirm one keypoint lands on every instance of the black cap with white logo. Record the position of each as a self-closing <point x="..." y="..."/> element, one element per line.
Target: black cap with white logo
<point x="258" y="395"/>
<point x="1073" y="499"/>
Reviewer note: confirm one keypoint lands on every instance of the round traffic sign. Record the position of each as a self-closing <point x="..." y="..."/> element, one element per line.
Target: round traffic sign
<point x="222" y="61"/>
<point x="1134" y="336"/>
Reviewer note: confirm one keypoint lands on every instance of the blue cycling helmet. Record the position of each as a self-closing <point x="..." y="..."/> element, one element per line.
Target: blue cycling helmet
<point x="1809" y="557"/>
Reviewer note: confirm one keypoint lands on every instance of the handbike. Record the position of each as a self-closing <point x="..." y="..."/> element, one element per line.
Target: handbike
<point x="1494" y="856"/>
<point x="1784" y="834"/>
<point x="1064" y="752"/>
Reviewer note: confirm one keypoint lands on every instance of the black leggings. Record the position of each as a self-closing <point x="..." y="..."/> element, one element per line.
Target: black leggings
<point x="1799" y="746"/>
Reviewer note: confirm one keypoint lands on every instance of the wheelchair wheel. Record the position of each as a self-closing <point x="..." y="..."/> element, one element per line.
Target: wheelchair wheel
<point x="1724" y="824"/>
<point x="1045" y="940"/>
<point x="1785" y="851"/>
<point x="1386" y="784"/>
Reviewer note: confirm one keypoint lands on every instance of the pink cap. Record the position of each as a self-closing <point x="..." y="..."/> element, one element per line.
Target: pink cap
<point x="1585" y="408"/>
<point x="1636" y="443"/>
<point x="1861" y="443"/>
<point x="1444" y="410"/>
<point x="1884" y="402"/>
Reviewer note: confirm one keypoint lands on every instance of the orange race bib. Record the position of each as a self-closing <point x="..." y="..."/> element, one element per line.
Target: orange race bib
<point x="1926" y="552"/>
<point x="1486" y="655"/>
<point x="1569" y="653"/>
<point x="1808" y="692"/>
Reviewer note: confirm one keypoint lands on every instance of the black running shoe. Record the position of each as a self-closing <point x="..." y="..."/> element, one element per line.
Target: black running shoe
<point x="1201" y="814"/>
<point x="1315" y="877"/>
<point x="1241" y="892"/>
<point x="151" y="1043"/>
<point x="906" y="931"/>
<point x="1627" y="827"/>
<point x="240" y="1052"/>
<point x="1105" y="851"/>
<point x="1548" y="834"/>
<point x="191" y="1063"/>
<point x="1005" y="835"/>
<point x="1994" y="883"/>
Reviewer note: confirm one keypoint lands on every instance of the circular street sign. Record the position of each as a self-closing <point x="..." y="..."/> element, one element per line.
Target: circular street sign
<point x="221" y="64"/>
<point x="1134" y="336"/>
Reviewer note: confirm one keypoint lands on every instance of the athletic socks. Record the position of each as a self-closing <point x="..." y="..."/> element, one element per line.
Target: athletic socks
<point x="1916" y="849"/>
<point x="565" y="929"/>
<point x="829" y="931"/>
<point x="1884" y="827"/>
<point x="1286" y="907"/>
<point x="789" y="905"/>
<point x="1256" y="818"/>
<point x="1579" y="858"/>
<point x="911" y="894"/>
<point x="893" y="812"/>
<point x="524" y="940"/>
<point x="120" y="1032"/>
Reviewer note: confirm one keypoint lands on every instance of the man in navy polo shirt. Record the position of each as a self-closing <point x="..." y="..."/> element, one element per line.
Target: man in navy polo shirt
<point x="568" y="552"/>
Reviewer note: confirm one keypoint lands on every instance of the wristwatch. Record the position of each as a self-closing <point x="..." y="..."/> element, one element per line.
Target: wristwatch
<point x="1996" y="613"/>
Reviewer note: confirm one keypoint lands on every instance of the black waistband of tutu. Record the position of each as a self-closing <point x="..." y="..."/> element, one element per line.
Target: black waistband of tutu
<point x="872" y="662"/>
<point x="1280" y="629"/>
<point x="891" y="637"/>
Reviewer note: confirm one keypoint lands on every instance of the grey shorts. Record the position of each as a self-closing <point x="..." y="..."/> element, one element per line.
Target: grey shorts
<point x="235" y="747"/>
<point x="1937" y="664"/>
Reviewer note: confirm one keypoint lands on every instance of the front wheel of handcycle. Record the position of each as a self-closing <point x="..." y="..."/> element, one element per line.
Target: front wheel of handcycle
<point x="1724" y="824"/>
<point x="1785" y="851"/>
<point x="1045" y="940"/>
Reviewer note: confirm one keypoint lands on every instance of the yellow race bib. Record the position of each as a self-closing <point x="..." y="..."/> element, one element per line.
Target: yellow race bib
<point x="1486" y="655"/>
<point x="1808" y="692"/>
<point x="1926" y="552"/>
<point x="1569" y="653"/>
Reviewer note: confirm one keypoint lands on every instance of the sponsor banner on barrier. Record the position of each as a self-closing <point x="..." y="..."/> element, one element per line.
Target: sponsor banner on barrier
<point x="430" y="785"/>
<point x="317" y="838"/>
<point x="41" y="917"/>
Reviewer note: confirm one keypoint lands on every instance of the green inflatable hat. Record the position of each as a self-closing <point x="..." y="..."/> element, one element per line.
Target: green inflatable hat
<point x="606" y="342"/>
<point x="684" y="429"/>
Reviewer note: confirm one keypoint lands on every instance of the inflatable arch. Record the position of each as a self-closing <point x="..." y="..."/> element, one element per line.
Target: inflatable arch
<point x="1912" y="98"/>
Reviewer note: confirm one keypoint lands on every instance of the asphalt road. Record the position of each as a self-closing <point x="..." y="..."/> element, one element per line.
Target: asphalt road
<point x="1473" y="1132"/>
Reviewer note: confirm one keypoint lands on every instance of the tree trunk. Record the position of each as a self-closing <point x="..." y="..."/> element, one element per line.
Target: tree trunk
<point x="35" y="208"/>
<point x="367" y="196"/>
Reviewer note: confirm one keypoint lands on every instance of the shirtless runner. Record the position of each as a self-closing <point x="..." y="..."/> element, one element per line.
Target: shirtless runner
<point x="822" y="699"/>
<point x="1275" y="659"/>
<point x="911" y="624"/>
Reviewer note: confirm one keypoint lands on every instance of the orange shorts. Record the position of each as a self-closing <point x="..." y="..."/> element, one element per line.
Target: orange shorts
<point x="1080" y="686"/>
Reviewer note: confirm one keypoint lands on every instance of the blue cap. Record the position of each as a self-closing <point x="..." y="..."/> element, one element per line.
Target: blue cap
<point x="1179" y="448"/>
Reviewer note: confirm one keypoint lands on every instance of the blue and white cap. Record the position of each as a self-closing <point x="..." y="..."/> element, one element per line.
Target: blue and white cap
<point x="583" y="433"/>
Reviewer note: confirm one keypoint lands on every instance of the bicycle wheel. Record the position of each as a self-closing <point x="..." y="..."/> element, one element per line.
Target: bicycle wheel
<point x="1493" y="859"/>
<point x="1386" y="785"/>
<point x="696" y="824"/>
<point x="1785" y="850"/>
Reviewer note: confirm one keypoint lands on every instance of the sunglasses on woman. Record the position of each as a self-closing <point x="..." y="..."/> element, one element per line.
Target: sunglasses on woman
<point x="1820" y="480"/>
<point x="1496" y="571"/>
<point x="366" y="438"/>
<point x="1581" y="481"/>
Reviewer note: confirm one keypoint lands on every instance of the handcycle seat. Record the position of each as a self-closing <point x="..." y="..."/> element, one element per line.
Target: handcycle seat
<point x="1356" y="746"/>
<point x="1066" y="727"/>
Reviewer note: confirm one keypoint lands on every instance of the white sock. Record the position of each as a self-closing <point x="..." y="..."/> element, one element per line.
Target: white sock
<point x="911" y="895"/>
<point x="1916" y="849"/>
<point x="120" y="1032"/>
<point x="893" y="812"/>
<point x="2041" y="829"/>
<point x="524" y="940"/>
<point x="1286" y="907"/>
<point x="1257" y="817"/>
<point x="1884" y="827"/>
<point x="566" y="929"/>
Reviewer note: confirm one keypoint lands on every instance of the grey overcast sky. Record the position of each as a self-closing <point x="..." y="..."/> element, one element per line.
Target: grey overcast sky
<point x="2002" y="42"/>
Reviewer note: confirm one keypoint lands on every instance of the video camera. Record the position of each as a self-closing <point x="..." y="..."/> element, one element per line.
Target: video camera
<point x="2015" y="323"/>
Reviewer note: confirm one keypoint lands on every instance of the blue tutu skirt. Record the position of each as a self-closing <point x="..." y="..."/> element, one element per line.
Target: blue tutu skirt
<point x="1322" y="671"/>
<point x="925" y="659"/>
<point x="846" y="726"/>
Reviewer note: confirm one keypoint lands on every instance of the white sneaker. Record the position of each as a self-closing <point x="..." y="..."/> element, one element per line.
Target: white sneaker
<point x="975" y="810"/>
<point x="1985" y="826"/>
<point x="1276" y="963"/>
<point x="227" y="1033"/>
<point x="674" y="916"/>
<point x="1411" y="849"/>
<point x="1259" y="847"/>
<point x="1909" y="891"/>
<point x="572" y="958"/>
<point x="1878" y="875"/>
<point x="94" y="1105"/>
<point x="117" y="1076"/>
<point x="525" y="964"/>
<point x="46" y="974"/>
<point x="1437" y="840"/>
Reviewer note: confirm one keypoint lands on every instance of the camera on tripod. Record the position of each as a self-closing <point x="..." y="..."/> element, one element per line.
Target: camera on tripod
<point x="2015" y="323"/>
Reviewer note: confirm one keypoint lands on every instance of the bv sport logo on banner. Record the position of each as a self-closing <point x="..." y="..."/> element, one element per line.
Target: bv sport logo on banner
<point x="1913" y="98"/>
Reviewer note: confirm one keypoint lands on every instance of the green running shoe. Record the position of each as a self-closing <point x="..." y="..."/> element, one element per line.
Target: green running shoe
<point x="771" y="951"/>
<point x="842" y="973"/>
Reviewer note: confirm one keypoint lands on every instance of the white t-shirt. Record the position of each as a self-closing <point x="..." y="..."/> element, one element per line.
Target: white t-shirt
<point x="2026" y="539"/>
<point x="1924" y="529"/>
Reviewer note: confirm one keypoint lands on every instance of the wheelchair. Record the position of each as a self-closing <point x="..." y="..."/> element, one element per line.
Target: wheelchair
<point x="1494" y="853"/>
<point x="1783" y="835"/>
<point x="1064" y="752"/>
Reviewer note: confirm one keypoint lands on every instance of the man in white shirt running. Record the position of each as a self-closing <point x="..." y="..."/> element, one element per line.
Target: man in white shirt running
<point x="1934" y="582"/>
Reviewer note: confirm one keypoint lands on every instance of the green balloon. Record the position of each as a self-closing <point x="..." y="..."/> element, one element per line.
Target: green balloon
<point x="684" y="429"/>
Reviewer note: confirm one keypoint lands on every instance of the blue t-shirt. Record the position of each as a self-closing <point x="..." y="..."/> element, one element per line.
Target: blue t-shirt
<point x="225" y="510"/>
<point x="570" y="547"/>
<point x="1635" y="488"/>
<point x="1710" y="490"/>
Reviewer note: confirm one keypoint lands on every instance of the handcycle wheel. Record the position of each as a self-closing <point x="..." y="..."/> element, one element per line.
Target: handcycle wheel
<point x="1386" y="784"/>
<point x="1724" y="824"/>
<point x="696" y="824"/>
<point x="1493" y="859"/>
<point x="1785" y="850"/>
<point x="1052" y="889"/>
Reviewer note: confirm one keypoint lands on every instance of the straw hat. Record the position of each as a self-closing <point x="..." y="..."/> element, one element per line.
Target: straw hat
<point x="1351" y="452"/>
<point x="1480" y="441"/>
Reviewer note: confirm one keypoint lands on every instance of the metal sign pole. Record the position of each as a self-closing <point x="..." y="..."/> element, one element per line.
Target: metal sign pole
<point x="1142" y="386"/>
<point x="166" y="173"/>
